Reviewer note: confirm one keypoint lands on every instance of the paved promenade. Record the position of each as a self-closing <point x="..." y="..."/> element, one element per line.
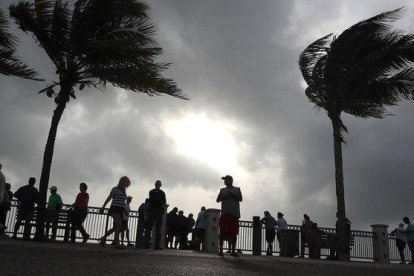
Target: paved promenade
<point x="33" y="258"/>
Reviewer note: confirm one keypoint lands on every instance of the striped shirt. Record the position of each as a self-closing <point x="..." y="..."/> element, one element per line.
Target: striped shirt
<point x="119" y="197"/>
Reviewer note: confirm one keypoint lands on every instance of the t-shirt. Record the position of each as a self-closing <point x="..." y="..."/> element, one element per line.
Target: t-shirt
<point x="27" y="197"/>
<point x="269" y="222"/>
<point x="201" y="220"/>
<point x="281" y="224"/>
<point x="410" y="232"/>
<point x="54" y="202"/>
<point x="119" y="197"/>
<point x="306" y="226"/>
<point x="81" y="202"/>
<point x="400" y="234"/>
<point x="157" y="200"/>
<point x="230" y="205"/>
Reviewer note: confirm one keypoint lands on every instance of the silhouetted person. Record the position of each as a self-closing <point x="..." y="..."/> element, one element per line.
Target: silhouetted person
<point x="54" y="205"/>
<point x="409" y="232"/>
<point x="80" y="211"/>
<point x="282" y="228"/>
<point x="230" y="198"/>
<point x="171" y="227"/>
<point x="200" y="228"/>
<point x="125" y="219"/>
<point x="305" y="230"/>
<point x="191" y="223"/>
<point x="4" y="208"/>
<point x="116" y="210"/>
<point x="315" y="241"/>
<point x="156" y="211"/>
<point x="142" y="219"/>
<point x="182" y="230"/>
<point x="400" y="240"/>
<point x="4" y="201"/>
<point x="27" y="196"/>
<point x="270" y="231"/>
<point x="333" y="237"/>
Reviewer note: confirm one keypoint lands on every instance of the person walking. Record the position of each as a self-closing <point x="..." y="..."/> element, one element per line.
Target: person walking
<point x="282" y="228"/>
<point x="200" y="228"/>
<point x="230" y="198"/>
<point x="270" y="232"/>
<point x="27" y="197"/>
<point x="116" y="210"/>
<point x="54" y="205"/>
<point x="305" y="231"/>
<point x="80" y="211"/>
<point x="409" y="232"/>
<point x="400" y="240"/>
<point x="157" y="202"/>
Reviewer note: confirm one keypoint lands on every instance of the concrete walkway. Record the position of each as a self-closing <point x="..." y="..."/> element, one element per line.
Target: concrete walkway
<point x="33" y="258"/>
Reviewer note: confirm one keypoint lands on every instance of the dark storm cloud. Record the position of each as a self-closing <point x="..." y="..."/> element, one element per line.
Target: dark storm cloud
<point x="237" y="60"/>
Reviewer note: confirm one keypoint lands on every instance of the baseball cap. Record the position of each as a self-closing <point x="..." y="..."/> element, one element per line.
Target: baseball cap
<point x="53" y="188"/>
<point x="227" y="177"/>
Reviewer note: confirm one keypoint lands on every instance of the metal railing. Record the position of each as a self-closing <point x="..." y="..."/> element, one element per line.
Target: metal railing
<point x="97" y="223"/>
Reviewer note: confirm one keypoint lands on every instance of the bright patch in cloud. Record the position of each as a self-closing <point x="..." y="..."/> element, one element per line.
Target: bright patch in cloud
<point x="204" y="140"/>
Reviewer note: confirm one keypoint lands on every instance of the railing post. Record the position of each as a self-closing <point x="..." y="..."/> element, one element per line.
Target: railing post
<point x="380" y="243"/>
<point x="257" y="236"/>
<point x="212" y="231"/>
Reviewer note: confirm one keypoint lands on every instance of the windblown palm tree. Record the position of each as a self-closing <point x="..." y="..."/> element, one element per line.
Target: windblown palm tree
<point x="10" y="65"/>
<point x="92" y="43"/>
<point x="360" y="72"/>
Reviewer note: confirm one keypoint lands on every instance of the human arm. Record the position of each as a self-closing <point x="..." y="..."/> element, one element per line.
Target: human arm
<point x="106" y="202"/>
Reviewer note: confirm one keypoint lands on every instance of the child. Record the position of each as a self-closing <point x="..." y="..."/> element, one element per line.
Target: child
<point x="125" y="218"/>
<point x="80" y="211"/>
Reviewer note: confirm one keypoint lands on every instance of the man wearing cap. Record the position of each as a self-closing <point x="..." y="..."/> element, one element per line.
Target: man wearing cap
<point x="230" y="198"/>
<point x="54" y="205"/>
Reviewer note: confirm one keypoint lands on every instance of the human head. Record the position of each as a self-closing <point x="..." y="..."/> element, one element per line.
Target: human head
<point x="279" y="215"/>
<point x="203" y="208"/>
<point x="406" y="220"/>
<point x="175" y="210"/>
<point x="228" y="180"/>
<point x="190" y="215"/>
<point x="181" y="212"/>
<point x="158" y="184"/>
<point x="129" y="199"/>
<point x="53" y="190"/>
<point x="401" y="225"/>
<point x="83" y="187"/>
<point x="8" y="186"/>
<point x="32" y="181"/>
<point x="124" y="182"/>
<point x="266" y="213"/>
<point x="315" y="226"/>
<point x="306" y="217"/>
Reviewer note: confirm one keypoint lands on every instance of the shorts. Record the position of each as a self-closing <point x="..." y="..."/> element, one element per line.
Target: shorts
<point x="270" y="235"/>
<point x="116" y="210"/>
<point x="229" y="226"/>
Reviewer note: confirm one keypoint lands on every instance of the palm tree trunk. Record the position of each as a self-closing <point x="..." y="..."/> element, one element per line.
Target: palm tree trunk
<point x="47" y="163"/>
<point x="343" y="253"/>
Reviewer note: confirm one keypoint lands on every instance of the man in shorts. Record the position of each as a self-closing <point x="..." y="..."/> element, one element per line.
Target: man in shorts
<point x="230" y="198"/>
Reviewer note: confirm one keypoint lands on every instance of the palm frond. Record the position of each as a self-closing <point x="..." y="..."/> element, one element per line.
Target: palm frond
<point x="10" y="65"/>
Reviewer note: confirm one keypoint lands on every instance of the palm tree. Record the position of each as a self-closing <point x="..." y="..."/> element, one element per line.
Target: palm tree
<point x="359" y="72"/>
<point x="92" y="43"/>
<point x="10" y="65"/>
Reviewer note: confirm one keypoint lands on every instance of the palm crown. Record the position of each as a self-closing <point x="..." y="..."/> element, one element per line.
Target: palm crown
<point x="362" y="71"/>
<point x="97" y="42"/>
<point x="10" y="65"/>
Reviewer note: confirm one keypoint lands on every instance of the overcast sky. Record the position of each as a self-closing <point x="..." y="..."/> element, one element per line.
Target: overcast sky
<point x="248" y="117"/>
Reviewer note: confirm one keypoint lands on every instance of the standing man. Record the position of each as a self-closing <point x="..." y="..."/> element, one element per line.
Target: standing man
<point x="54" y="205"/>
<point x="156" y="208"/>
<point x="305" y="231"/>
<point x="270" y="227"/>
<point x="27" y="196"/>
<point x="282" y="228"/>
<point x="409" y="232"/>
<point x="4" y="202"/>
<point x="230" y="198"/>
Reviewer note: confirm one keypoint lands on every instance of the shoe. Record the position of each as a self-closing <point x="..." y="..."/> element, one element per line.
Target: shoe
<point x="234" y="254"/>
<point x="86" y="238"/>
<point x="220" y="254"/>
<point x="102" y="242"/>
<point x="130" y="244"/>
<point x="403" y="262"/>
<point x="52" y="239"/>
<point x="120" y="246"/>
